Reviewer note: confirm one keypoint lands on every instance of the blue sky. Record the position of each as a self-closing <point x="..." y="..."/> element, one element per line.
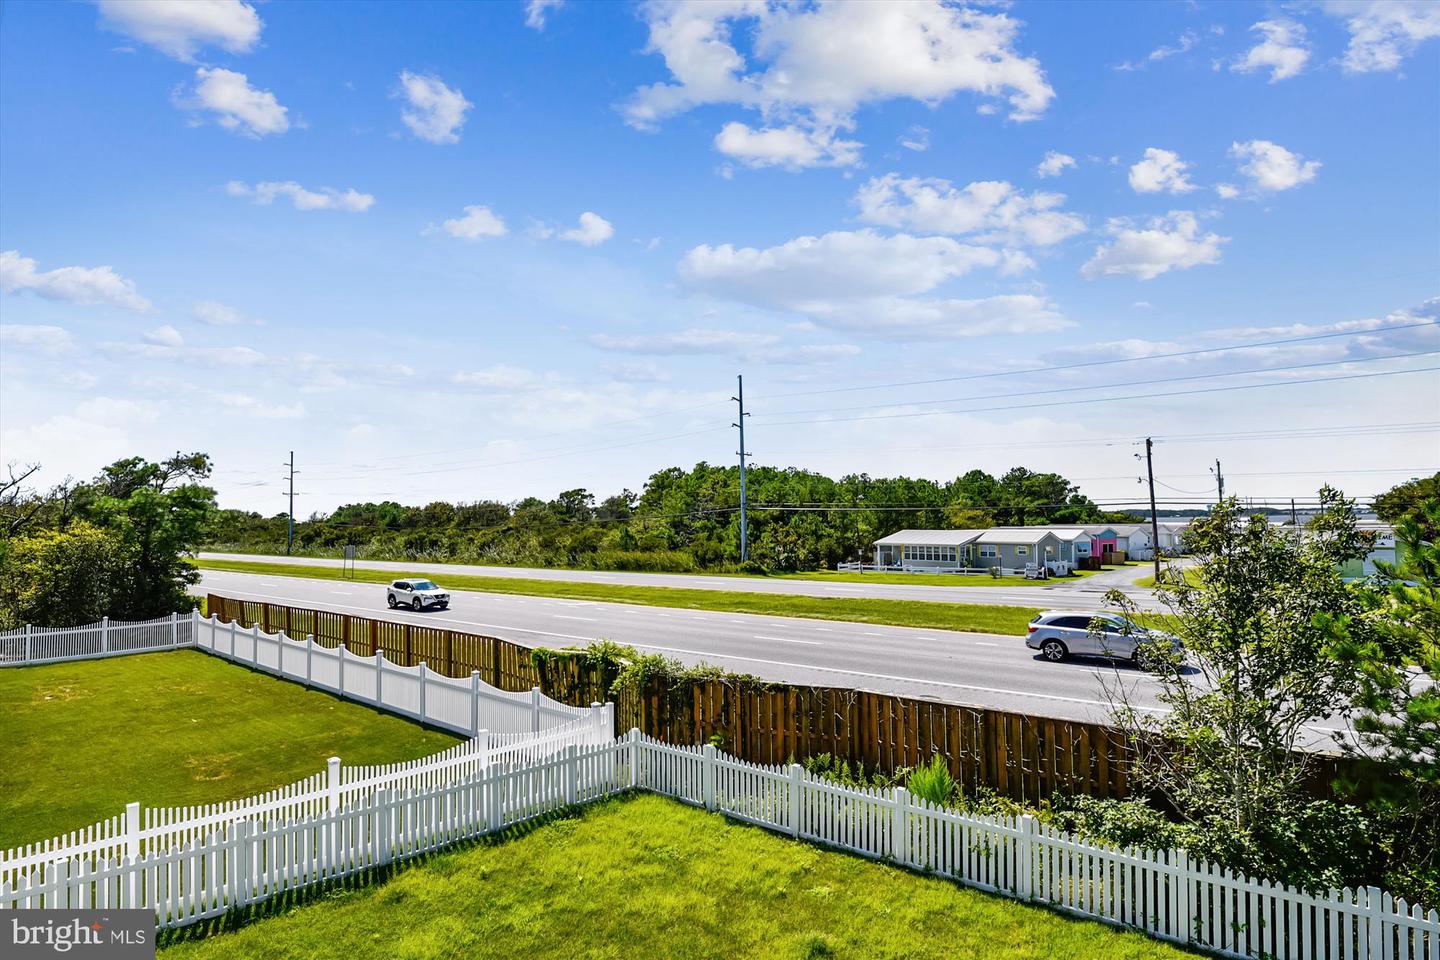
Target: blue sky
<point x="487" y="250"/>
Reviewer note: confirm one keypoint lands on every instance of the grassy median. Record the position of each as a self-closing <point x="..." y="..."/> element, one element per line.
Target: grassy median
<point x="80" y="740"/>
<point x="646" y="877"/>
<point x="972" y="618"/>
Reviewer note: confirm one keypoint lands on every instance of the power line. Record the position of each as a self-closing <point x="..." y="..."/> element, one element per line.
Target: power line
<point x="1103" y="363"/>
<point x="1141" y="396"/>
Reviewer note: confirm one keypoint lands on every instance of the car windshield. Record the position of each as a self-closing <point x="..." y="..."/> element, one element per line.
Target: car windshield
<point x="425" y="585"/>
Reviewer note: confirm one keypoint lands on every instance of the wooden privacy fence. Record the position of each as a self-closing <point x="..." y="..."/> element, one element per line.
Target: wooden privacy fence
<point x="1017" y="755"/>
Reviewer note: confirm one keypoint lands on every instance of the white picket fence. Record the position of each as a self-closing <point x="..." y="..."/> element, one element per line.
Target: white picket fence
<point x="27" y="645"/>
<point x="524" y="728"/>
<point x="1162" y="893"/>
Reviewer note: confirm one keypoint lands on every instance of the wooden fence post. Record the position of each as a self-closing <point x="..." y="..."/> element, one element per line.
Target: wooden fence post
<point x="474" y="703"/>
<point x="449" y="655"/>
<point x="408" y="654"/>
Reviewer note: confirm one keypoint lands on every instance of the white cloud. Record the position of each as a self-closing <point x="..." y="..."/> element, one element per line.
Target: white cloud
<point x="37" y="338"/>
<point x="83" y="285"/>
<point x="254" y="407"/>
<point x="991" y="209"/>
<point x="1384" y="32"/>
<point x="903" y="318"/>
<point x="917" y="138"/>
<point x="326" y="198"/>
<point x="1171" y="242"/>
<point x="1271" y="168"/>
<point x="815" y="65"/>
<point x="1160" y="171"/>
<point x="1054" y="164"/>
<point x="500" y="377"/>
<point x="754" y="347"/>
<point x="1283" y="50"/>
<point x="838" y="265"/>
<point x="793" y="147"/>
<point x="536" y="11"/>
<point x="217" y="314"/>
<point x="237" y="106"/>
<point x="178" y="29"/>
<point x="479" y="221"/>
<point x="436" y="112"/>
<point x="1184" y="44"/>
<point x="1227" y="191"/>
<point x="165" y="336"/>
<point x="592" y="231"/>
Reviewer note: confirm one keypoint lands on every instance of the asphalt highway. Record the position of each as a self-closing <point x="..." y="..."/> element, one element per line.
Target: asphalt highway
<point x="989" y="670"/>
<point x="1079" y="592"/>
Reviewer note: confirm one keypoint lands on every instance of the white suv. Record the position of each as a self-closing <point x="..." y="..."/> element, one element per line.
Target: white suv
<point x="1058" y="634"/>
<point x="417" y="595"/>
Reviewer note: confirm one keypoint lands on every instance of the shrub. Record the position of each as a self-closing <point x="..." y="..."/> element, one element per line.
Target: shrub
<point x="932" y="782"/>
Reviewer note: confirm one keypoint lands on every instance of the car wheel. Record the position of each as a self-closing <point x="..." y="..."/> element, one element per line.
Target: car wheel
<point x="416" y="605"/>
<point x="390" y="599"/>
<point x="1053" y="650"/>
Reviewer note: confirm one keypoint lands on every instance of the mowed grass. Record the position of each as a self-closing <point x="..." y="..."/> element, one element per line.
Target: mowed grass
<point x="646" y="877"/>
<point x="972" y="618"/>
<point x="80" y="740"/>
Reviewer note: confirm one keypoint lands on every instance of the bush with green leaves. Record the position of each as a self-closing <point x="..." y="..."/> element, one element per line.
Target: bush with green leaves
<point x="932" y="782"/>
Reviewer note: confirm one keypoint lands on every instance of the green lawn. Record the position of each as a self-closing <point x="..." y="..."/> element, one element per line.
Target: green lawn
<point x="974" y="618"/>
<point x="80" y="740"/>
<point x="646" y="877"/>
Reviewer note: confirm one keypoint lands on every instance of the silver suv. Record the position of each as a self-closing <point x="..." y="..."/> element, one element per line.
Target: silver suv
<point x="1058" y="634"/>
<point x="417" y="595"/>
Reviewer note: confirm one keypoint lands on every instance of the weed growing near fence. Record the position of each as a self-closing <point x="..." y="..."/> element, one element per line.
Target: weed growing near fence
<point x="646" y="877"/>
<point x="80" y="740"/>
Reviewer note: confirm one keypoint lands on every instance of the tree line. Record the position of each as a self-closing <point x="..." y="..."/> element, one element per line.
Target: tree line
<point x="680" y="520"/>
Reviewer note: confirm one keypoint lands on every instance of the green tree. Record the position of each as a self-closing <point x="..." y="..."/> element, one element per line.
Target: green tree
<point x="1254" y="674"/>
<point x="1397" y="721"/>
<point x="1410" y="500"/>
<point x="60" y="578"/>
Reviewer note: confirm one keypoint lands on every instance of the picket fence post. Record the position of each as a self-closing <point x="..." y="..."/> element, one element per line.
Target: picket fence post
<point x="707" y="776"/>
<point x="482" y="747"/>
<point x="232" y="640"/>
<point x="309" y="658"/>
<point x="474" y="703"/>
<point x="104" y="634"/>
<point x="423" y="671"/>
<point x="597" y="719"/>
<point x="1377" y="922"/>
<point x="1025" y="857"/>
<point x="132" y="830"/>
<point x="634" y="757"/>
<point x="797" y="774"/>
<point x="340" y="658"/>
<point x="246" y="852"/>
<point x="900" y="826"/>
<point x="387" y="822"/>
<point x="572" y="774"/>
<point x="332" y="784"/>
<point x="379" y="676"/>
<point x="195" y="626"/>
<point x="1185" y="878"/>
<point x="534" y="709"/>
<point x="29" y="632"/>
<point x="609" y="720"/>
<point x="496" y="797"/>
<point x="255" y="645"/>
<point x="174" y="629"/>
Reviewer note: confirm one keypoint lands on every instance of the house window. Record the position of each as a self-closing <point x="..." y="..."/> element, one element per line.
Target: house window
<point x="989" y="551"/>
<point x="1022" y="551"/>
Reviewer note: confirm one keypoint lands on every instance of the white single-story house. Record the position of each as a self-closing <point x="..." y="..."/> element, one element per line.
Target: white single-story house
<point x="1014" y="547"/>
<point x="938" y="550"/>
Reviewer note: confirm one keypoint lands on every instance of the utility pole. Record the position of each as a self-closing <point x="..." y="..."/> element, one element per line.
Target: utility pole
<point x="739" y="424"/>
<point x="1219" y="479"/>
<point x="1154" y="521"/>
<point x="1294" y="520"/>
<point x="290" y="520"/>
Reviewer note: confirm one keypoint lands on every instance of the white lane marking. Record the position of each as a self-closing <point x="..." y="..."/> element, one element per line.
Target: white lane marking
<point x="813" y="643"/>
<point x="823" y="629"/>
<point x="872" y="634"/>
<point x="980" y="644"/>
<point x="561" y="616"/>
<point x="343" y="593"/>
